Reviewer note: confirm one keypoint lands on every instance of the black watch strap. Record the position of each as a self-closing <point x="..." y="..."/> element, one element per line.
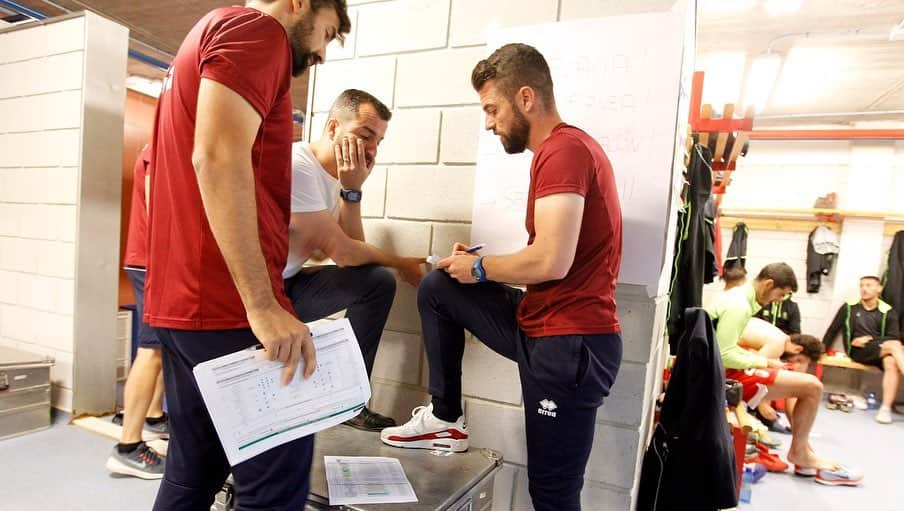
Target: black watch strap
<point x="350" y="195"/>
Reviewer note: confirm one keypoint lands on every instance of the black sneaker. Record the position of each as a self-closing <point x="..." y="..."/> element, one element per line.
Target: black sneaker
<point x="157" y="429"/>
<point x="370" y="421"/>
<point x="143" y="462"/>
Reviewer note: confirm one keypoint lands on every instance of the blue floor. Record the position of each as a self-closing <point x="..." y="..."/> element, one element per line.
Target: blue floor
<point x="63" y="469"/>
<point x="853" y="439"/>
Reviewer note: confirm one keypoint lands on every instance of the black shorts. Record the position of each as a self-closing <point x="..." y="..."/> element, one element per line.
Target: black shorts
<point x="870" y="354"/>
<point x="147" y="336"/>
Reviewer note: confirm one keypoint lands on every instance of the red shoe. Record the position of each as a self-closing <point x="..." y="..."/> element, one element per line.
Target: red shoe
<point x="771" y="461"/>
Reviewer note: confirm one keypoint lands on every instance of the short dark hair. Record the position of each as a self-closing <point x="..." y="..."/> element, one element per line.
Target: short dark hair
<point x="872" y="277"/>
<point x="345" y="23"/>
<point x="813" y="347"/>
<point x="351" y="100"/>
<point x="779" y="273"/>
<point x="514" y="66"/>
<point x="734" y="274"/>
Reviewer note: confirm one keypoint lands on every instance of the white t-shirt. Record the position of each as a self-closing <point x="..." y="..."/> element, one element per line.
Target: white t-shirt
<point x="313" y="189"/>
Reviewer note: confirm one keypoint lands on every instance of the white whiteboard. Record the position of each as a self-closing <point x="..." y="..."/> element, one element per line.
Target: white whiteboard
<point x="618" y="79"/>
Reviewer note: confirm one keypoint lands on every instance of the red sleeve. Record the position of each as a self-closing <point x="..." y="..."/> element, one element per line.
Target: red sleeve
<point x="250" y="55"/>
<point x="565" y="167"/>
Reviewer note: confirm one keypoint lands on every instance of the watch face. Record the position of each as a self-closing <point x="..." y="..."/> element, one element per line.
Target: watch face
<point x="351" y="195"/>
<point x="475" y="273"/>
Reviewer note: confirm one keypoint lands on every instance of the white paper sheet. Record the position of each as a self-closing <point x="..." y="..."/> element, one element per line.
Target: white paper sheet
<point x="253" y="412"/>
<point x="367" y="480"/>
<point x="622" y="87"/>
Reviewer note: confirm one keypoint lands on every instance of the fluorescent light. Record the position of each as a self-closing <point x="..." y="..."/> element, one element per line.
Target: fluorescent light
<point x="724" y="72"/>
<point x="763" y="73"/>
<point x="781" y="7"/>
<point x="146" y="86"/>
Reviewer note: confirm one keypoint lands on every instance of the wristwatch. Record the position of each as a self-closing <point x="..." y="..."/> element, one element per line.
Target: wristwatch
<point x="350" y="195"/>
<point x="477" y="271"/>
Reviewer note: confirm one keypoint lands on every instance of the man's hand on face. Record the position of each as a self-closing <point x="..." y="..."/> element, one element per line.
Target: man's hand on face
<point x="351" y="163"/>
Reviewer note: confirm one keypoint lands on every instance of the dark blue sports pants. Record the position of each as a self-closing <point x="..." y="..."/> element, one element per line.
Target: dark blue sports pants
<point x="196" y="465"/>
<point x="564" y="379"/>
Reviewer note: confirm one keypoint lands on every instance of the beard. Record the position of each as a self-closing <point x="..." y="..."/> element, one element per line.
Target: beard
<point x="515" y="141"/>
<point x="302" y="56"/>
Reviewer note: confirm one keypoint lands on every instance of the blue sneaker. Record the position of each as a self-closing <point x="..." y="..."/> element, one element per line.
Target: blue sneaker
<point x="143" y="462"/>
<point x="840" y="476"/>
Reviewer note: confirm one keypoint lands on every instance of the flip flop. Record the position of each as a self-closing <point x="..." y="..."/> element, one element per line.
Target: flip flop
<point x="805" y="471"/>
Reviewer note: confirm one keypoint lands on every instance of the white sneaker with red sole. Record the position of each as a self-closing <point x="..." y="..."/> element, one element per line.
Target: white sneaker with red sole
<point x="426" y="431"/>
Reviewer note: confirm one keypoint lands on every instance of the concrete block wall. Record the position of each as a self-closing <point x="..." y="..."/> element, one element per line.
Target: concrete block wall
<point x="57" y="236"/>
<point x="417" y="57"/>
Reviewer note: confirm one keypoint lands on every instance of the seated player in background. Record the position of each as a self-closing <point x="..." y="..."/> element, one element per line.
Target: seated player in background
<point x="871" y="337"/>
<point x="765" y="378"/>
<point x="734" y="277"/>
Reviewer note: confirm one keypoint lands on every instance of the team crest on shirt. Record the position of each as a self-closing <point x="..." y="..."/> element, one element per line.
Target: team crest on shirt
<point x="548" y="408"/>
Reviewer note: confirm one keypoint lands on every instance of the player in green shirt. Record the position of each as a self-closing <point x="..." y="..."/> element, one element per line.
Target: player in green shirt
<point x="768" y="379"/>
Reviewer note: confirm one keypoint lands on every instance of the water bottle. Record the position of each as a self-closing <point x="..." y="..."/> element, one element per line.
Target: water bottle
<point x="872" y="403"/>
<point x="747" y="485"/>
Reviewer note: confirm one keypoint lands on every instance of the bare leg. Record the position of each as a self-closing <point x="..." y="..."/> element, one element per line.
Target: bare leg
<point x="139" y="392"/>
<point x="894" y="349"/>
<point x="156" y="408"/>
<point x="807" y="389"/>
<point x="790" y="403"/>
<point x="890" y="378"/>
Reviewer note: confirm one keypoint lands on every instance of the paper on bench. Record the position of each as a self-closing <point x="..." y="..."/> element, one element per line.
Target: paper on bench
<point x="253" y="412"/>
<point x="367" y="480"/>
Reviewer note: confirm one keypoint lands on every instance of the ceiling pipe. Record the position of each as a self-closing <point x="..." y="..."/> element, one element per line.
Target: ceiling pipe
<point x="38" y="15"/>
<point x="870" y="113"/>
<point x="849" y="134"/>
<point x="857" y="33"/>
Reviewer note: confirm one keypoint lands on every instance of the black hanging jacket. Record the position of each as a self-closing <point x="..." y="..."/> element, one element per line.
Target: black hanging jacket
<point x="711" y="264"/>
<point x="817" y="264"/>
<point x="737" y="250"/>
<point x="689" y="268"/>
<point x="690" y="463"/>
<point x="893" y="294"/>
<point x="785" y="315"/>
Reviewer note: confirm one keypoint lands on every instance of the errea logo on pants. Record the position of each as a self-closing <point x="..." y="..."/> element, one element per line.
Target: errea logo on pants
<point x="547" y="407"/>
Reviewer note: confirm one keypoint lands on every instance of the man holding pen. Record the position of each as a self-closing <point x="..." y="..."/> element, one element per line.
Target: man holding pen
<point x="563" y="332"/>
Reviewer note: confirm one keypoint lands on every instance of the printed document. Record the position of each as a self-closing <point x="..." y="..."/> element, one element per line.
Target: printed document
<point x="253" y="412"/>
<point x="367" y="480"/>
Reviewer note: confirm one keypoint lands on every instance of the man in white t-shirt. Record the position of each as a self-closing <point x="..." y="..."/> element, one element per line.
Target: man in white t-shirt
<point x="327" y="176"/>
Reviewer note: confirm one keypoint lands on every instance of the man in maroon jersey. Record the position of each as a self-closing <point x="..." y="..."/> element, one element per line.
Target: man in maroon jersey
<point x="563" y="332"/>
<point x="218" y="227"/>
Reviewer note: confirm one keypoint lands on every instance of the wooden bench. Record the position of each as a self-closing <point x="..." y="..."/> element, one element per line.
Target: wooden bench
<point x="845" y="363"/>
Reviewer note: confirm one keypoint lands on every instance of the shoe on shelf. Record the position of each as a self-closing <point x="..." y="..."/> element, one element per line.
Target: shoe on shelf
<point x="426" y="431"/>
<point x="884" y="416"/>
<point x="769" y="460"/>
<point x="368" y="420"/>
<point x="760" y="437"/>
<point x="143" y="462"/>
<point x="840" y="476"/>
